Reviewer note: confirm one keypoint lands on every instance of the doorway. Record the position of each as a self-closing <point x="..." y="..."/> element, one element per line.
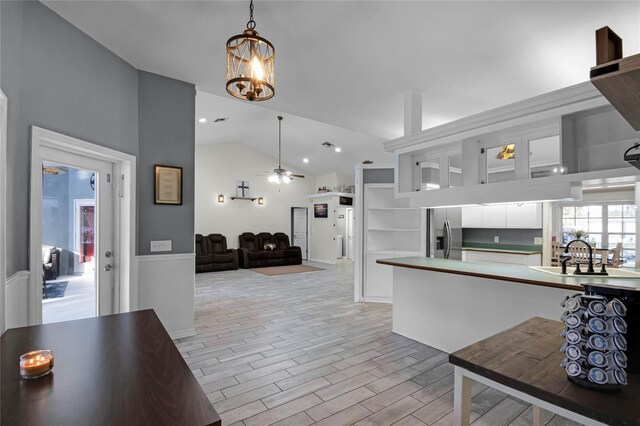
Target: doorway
<point x="77" y="224"/>
<point x="82" y="229"/>
<point x="300" y="229"/>
<point x="349" y="243"/>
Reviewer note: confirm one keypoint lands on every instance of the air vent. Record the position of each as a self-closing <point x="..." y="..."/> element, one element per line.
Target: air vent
<point x="218" y="120"/>
<point x="327" y="144"/>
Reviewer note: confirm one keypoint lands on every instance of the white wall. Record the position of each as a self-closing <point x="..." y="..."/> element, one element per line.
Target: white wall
<point x="174" y="304"/>
<point x="322" y="245"/>
<point x="218" y="167"/>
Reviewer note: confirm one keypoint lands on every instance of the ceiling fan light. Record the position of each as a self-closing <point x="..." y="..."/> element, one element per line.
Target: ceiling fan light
<point x="286" y="179"/>
<point x="274" y="179"/>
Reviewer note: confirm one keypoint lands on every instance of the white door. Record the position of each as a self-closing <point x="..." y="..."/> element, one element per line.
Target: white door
<point x="349" y="243"/>
<point x="300" y="230"/>
<point x="93" y="294"/>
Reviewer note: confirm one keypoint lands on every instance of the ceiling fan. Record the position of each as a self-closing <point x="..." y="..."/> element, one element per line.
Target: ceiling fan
<point x="280" y="175"/>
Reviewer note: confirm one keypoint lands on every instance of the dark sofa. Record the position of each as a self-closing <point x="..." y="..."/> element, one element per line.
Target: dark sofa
<point x="212" y="254"/>
<point x="252" y="253"/>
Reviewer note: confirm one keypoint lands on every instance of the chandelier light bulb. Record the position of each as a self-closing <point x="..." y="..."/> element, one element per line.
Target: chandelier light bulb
<point x="256" y="69"/>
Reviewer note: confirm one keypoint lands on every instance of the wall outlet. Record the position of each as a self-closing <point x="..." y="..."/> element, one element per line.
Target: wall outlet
<point x="160" y="246"/>
<point x="496" y="239"/>
<point x="537" y="240"/>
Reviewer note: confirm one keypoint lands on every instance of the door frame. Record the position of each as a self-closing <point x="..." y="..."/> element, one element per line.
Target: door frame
<point x="307" y="225"/>
<point x="3" y="206"/>
<point x="349" y="227"/>
<point x="125" y="288"/>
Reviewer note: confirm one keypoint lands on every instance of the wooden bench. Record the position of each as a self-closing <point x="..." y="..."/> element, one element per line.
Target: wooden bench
<point x="524" y="362"/>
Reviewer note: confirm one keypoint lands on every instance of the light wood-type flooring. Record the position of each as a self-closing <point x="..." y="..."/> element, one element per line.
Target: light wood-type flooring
<point x="296" y="350"/>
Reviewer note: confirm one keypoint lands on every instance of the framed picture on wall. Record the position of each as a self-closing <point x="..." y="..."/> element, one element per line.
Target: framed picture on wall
<point x="168" y="185"/>
<point x="321" y="210"/>
<point x="346" y="201"/>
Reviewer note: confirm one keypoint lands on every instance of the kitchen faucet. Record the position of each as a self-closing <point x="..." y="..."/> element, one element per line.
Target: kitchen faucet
<point x="590" y="270"/>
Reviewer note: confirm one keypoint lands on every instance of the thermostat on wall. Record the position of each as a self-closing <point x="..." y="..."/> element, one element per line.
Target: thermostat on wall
<point x="160" y="245"/>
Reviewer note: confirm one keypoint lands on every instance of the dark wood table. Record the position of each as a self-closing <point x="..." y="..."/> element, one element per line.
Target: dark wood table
<point x="524" y="361"/>
<point x="113" y="370"/>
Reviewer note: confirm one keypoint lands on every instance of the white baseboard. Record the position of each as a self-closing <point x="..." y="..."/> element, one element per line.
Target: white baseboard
<point x="378" y="300"/>
<point x="166" y="283"/>
<point x="17" y="300"/>
<point x="329" y="262"/>
<point x="182" y="333"/>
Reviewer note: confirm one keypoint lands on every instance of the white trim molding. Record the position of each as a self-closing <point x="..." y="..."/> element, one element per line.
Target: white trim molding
<point x="16" y="290"/>
<point x="125" y="296"/>
<point x="167" y="285"/>
<point x="3" y="206"/>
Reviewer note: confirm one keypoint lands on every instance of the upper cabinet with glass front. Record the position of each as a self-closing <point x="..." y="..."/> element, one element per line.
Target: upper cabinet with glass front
<point x="542" y="148"/>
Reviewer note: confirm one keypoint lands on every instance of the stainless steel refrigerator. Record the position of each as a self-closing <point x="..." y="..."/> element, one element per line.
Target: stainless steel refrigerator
<point x="444" y="233"/>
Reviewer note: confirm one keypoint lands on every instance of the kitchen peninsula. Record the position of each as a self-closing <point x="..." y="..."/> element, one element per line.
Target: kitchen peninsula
<point x="450" y="304"/>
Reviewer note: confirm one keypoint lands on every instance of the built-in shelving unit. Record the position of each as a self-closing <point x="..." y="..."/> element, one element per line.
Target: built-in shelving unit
<point x="391" y="229"/>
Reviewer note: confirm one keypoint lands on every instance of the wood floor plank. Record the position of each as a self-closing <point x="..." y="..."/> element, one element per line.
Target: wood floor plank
<point x="295" y="349"/>
<point x="339" y="403"/>
<point x="391" y="414"/>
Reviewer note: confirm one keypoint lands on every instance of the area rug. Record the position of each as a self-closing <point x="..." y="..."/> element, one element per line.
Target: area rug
<point x="55" y="290"/>
<point x="289" y="269"/>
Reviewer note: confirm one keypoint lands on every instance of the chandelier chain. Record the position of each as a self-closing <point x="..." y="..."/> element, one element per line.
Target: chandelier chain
<point x="251" y="24"/>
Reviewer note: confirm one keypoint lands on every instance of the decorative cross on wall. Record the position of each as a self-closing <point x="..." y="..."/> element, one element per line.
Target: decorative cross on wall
<point x="242" y="189"/>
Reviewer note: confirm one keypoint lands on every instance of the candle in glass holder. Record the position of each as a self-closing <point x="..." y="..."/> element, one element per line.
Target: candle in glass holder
<point x="36" y="364"/>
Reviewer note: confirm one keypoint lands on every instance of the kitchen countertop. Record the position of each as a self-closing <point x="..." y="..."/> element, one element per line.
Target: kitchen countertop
<point x="506" y="272"/>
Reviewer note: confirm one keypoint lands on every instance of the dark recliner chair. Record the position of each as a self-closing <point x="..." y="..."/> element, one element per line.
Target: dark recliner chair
<point x="212" y="254"/>
<point x="252" y="253"/>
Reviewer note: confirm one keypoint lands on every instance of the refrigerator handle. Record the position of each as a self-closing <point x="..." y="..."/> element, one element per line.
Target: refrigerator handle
<point x="447" y="231"/>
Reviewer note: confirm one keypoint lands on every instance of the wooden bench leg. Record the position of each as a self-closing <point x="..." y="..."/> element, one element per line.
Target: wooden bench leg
<point x="538" y="416"/>
<point x="461" y="399"/>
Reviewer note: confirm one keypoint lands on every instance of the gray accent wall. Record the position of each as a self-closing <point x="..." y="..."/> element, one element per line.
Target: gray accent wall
<point x="507" y="236"/>
<point x="58" y="78"/>
<point x="167" y="137"/>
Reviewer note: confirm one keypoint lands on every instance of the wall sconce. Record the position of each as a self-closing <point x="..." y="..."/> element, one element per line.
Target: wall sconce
<point x="260" y="201"/>
<point x="221" y="198"/>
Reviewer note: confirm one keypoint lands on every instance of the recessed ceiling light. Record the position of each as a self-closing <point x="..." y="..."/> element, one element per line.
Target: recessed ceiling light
<point x="305" y="160"/>
<point x="338" y="149"/>
<point x="202" y="120"/>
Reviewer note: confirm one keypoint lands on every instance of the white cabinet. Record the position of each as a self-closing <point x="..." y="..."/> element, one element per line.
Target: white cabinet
<point x="495" y="257"/>
<point x="378" y="281"/>
<point x="472" y="217"/>
<point x="524" y="215"/>
<point x="494" y="216"/>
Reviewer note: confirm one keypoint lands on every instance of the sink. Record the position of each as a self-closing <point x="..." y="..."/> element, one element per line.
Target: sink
<point x="613" y="272"/>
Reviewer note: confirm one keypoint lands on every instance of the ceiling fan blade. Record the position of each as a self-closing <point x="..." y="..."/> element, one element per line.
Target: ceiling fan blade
<point x="298" y="176"/>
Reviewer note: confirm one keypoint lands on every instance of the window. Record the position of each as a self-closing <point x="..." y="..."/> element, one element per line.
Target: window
<point x="430" y="171"/>
<point x="501" y="163"/>
<point x="544" y="157"/>
<point x="606" y="224"/>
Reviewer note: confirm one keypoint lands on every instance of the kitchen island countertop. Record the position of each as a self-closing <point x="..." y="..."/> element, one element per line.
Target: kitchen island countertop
<point x="506" y="272"/>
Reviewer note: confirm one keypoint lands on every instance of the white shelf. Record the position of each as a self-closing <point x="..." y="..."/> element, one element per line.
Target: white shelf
<point x="393" y="208"/>
<point x="395" y="229"/>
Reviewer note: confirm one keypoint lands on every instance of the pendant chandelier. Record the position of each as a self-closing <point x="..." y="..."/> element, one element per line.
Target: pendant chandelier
<point x="250" y="61"/>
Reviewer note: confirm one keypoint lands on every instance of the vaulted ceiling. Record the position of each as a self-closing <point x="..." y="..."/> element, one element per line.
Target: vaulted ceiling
<point x="347" y="64"/>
